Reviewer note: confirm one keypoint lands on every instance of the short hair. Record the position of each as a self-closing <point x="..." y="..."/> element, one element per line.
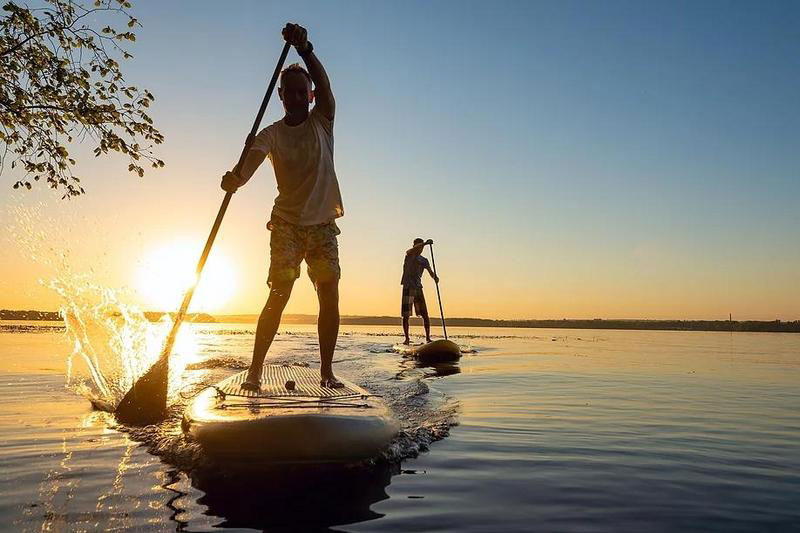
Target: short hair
<point x="295" y="67"/>
<point x="418" y="241"/>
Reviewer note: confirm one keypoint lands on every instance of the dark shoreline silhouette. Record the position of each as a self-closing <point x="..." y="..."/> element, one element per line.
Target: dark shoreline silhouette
<point x="773" y="326"/>
<point x="55" y="316"/>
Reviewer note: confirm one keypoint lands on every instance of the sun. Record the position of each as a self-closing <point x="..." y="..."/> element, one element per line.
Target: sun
<point x="169" y="270"/>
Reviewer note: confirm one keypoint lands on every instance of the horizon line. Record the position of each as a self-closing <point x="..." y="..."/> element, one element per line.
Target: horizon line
<point x="359" y="316"/>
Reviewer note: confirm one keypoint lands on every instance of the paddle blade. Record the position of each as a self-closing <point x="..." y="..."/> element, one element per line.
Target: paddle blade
<point x="146" y="402"/>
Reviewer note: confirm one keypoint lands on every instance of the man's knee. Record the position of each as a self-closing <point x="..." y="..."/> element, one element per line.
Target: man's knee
<point x="328" y="293"/>
<point x="279" y="294"/>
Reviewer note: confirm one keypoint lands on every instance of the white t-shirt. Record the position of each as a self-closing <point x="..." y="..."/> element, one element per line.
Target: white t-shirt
<point x="302" y="156"/>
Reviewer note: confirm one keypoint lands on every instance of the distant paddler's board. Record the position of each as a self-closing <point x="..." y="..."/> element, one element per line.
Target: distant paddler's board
<point x="280" y="425"/>
<point x="438" y="351"/>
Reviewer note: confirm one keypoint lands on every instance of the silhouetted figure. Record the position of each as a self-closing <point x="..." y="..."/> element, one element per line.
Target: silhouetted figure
<point x="300" y="146"/>
<point x="413" y="296"/>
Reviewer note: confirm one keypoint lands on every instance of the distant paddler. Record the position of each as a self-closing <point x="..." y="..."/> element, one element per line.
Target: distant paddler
<point x="413" y="296"/>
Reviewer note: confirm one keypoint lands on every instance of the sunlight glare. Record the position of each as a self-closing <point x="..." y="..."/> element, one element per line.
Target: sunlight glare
<point x="168" y="271"/>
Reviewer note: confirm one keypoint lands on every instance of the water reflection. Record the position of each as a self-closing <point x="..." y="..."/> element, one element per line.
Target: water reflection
<point x="172" y="478"/>
<point x="439" y="370"/>
<point x="410" y="367"/>
<point x="300" y="498"/>
<point x="62" y="484"/>
<point x="115" y="497"/>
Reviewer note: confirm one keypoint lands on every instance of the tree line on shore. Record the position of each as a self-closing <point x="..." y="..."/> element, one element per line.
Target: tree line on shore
<point x="597" y="323"/>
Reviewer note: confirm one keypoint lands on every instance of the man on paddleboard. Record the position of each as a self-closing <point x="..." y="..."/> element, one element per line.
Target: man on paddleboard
<point x="413" y="266"/>
<point x="302" y="224"/>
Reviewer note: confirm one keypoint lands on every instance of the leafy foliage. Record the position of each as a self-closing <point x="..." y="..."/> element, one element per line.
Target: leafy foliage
<point x="60" y="83"/>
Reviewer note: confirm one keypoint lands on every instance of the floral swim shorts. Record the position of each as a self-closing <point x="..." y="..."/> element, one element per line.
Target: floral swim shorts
<point x="290" y="243"/>
<point x="413" y="298"/>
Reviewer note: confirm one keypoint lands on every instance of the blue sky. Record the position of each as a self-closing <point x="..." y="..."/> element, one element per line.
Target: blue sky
<point x="617" y="159"/>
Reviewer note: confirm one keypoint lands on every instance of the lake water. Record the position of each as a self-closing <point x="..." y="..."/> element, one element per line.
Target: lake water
<point x="533" y="430"/>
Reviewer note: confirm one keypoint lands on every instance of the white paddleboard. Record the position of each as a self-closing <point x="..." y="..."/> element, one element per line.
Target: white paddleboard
<point x="279" y="425"/>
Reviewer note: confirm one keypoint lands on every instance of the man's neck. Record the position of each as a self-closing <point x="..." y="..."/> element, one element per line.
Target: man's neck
<point x="294" y="120"/>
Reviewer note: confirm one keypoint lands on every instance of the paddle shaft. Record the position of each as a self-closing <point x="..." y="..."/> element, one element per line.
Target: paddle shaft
<point x="438" y="294"/>
<point x="128" y="409"/>
<point x="187" y="298"/>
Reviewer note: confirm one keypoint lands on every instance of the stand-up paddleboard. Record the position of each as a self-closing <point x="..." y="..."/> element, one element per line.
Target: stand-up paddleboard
<point x="438" y="351"/>
<point x="287" y="422"/>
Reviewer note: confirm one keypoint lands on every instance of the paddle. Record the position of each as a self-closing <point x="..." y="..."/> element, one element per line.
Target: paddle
<point x="146" y="402"/>
<point x="438" y="295"/>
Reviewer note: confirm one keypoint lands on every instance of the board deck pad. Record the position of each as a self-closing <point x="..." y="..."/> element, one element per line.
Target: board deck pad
<point x="273" y="384"/>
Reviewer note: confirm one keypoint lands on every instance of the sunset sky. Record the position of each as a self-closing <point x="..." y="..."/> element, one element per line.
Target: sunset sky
<point x="570" y="159"/>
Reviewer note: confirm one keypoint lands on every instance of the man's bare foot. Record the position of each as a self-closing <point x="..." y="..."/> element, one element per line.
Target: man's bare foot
<point x="428" y="340"/>
<point x="253" y="380"/>
<point x="254" y="386"/>
<point x="407" y="341"/>
<point x="330" y="382"/>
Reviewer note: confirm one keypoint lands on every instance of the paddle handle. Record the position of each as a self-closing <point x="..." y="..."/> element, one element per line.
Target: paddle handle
<point x="438" y="294"/>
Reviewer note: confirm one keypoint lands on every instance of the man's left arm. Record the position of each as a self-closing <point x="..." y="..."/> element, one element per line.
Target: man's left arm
<point x="417" y="248"/>
<point x="297" y="36"/>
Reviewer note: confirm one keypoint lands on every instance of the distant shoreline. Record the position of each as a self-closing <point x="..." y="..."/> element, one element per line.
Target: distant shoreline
<point x="773" y="326"/>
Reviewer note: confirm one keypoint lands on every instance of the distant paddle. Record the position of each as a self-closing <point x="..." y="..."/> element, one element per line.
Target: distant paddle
<point x="438" y="295"/>
<point x="146" y="402"/>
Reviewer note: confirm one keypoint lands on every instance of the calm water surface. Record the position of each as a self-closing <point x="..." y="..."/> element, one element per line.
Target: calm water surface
<point x="536" y="430"/>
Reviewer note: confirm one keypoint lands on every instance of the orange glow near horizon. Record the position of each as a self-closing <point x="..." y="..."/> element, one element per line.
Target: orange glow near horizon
<point x="169" y="270"/>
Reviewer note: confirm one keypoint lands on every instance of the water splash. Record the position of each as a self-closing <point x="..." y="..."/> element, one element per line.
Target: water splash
<point x="112" y="342"/>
